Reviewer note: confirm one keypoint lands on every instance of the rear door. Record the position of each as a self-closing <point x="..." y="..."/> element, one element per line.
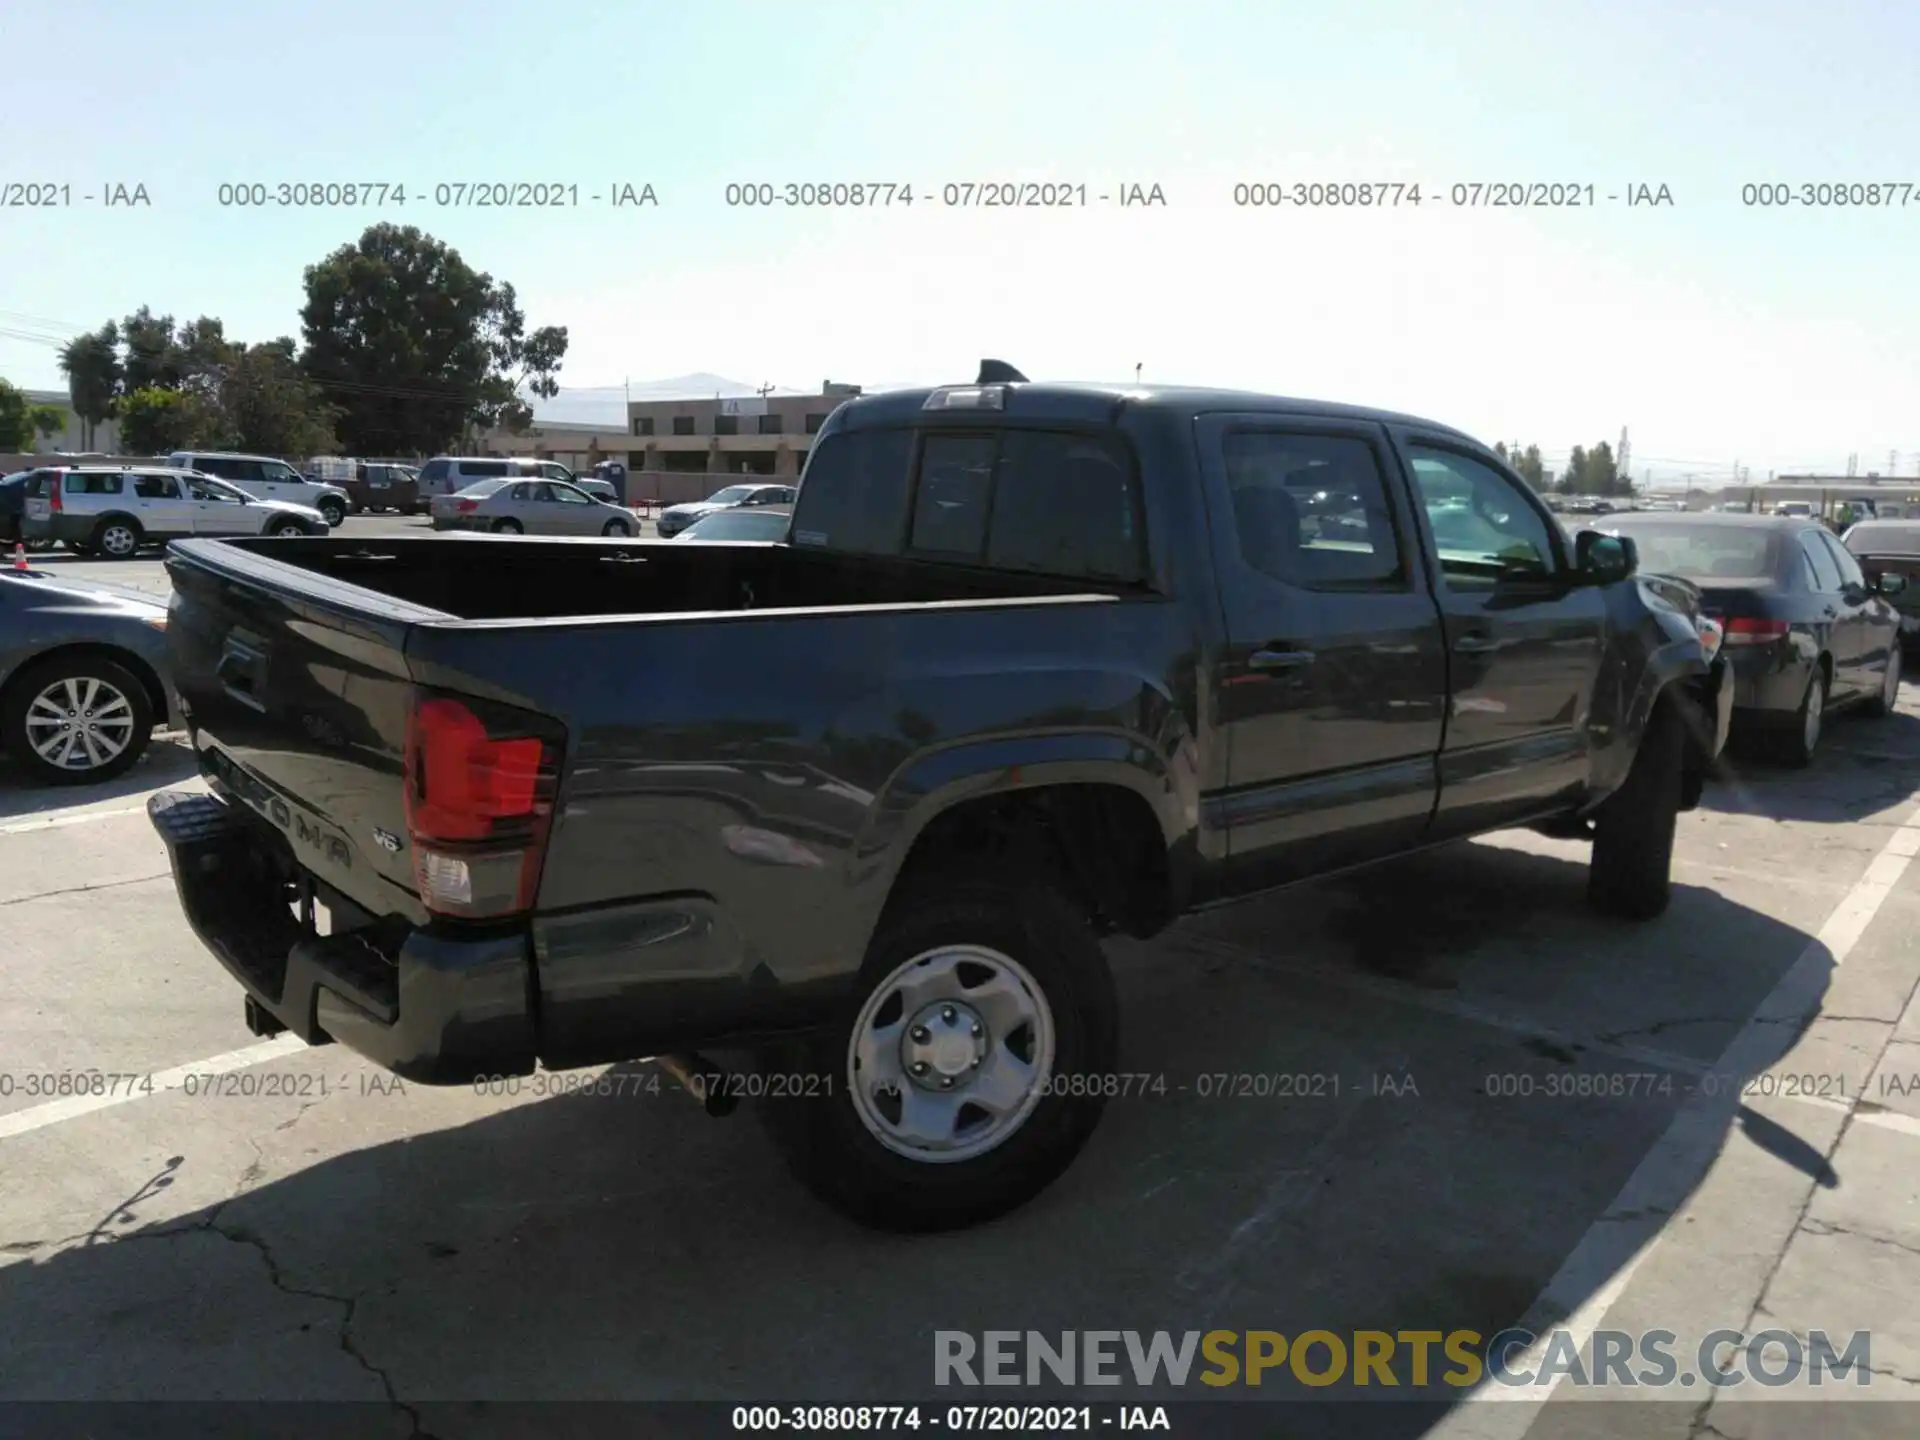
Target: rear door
<point x="1870" y="622"/>
<point x="1839" y="622"/>
<point x="1332" y="687"/>
<point x="1524" y="641"/>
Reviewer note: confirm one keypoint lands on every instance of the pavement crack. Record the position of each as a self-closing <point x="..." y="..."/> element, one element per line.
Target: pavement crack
<point x="349" y="1307"/>
<point x="1827" y="1227"/>
<point x="1614" y="1037"/>
<point x="84" y="889"/>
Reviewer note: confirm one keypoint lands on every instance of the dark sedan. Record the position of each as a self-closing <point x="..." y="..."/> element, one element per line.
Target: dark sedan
<point x="767" y="523"/>
<point x="1891" y="547"/>
<point x="82" y="676"/>
<point x="1805" y="630"/>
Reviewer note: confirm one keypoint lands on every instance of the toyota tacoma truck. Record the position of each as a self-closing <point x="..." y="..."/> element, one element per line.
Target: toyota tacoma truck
<point x="1034" y="664"/>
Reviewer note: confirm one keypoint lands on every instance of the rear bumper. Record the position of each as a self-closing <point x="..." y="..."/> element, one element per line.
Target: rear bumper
<point x="1714" y="694"/>
<point x="65" y="526"/>
<point x="1770" y="678"/>
<point x="432" y="1008"/>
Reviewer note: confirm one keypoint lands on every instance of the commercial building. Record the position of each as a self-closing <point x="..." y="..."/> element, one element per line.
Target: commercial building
<point x="746" y="435"/>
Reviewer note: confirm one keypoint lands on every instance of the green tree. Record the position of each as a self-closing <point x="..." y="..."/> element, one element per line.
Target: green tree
<point x="47" y="421"/>
<point x="155" y="420"/>
<point x="91" y="364"/>
<point x="1602" y="474"/>
<point x="271" y="407"/>
<point x="151" y="357"/>
<point x="1575" y="476"/>
<point x="16" y="429"/>
<point x="413" y="346"/>
<point x="1532" y="468"/>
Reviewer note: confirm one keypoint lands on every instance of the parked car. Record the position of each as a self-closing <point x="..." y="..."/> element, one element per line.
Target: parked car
<point x="676" y="518"/>
<point x="1038" y="663"/>
<point x="82" y="677"/>
<point x="449" y="474"/>
<point x="1891" y="547"/>
<point x="13" y="513"/>
<point x="382" y="487"/>
<point x="1806" y="632"/>
<point x="113" y="511"/>
<point x="266" y="478"/>
<point x="765" y="522"/>
<point x="530" y="507"/>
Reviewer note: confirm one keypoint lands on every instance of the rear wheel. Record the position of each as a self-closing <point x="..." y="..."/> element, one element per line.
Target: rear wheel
<point x="1888" y="700"/>
<point x="618" y="527"/>
<point x="1801" y="738"/>
<point x="73" y="721"/>
<point x="507" y="527"/>
<point x="116" y="537"/>
<point x="1631" y="871"/>
<point x="966" y="1072"/>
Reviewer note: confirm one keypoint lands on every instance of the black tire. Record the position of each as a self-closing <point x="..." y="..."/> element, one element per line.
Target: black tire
<point x="136" y="725"/>
<point x="118" y="537"/>
<point x="333" y="512"/>
<point x="286" y="528"/>
<point x="1630" y="874"/>
<point x="1797" y="742"/>
<point x="834" y="1153"/>
<point x="1888" y="698"/>
<point x="620" y="528"/>
<point x="507" y="527"/>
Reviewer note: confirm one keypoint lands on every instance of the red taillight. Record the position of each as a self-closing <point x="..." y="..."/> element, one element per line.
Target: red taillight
<point x="480" y="782"/>
<point x="466" y="507"/>
<point x="1743" y="630"/>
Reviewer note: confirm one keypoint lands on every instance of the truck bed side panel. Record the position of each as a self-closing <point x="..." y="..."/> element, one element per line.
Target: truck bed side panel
<point x="712" y="861"/>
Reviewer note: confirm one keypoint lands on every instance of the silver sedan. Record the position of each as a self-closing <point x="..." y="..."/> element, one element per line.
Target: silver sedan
<point x="530" y="507"/>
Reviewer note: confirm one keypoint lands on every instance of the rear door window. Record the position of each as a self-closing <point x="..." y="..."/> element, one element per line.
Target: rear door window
<point x="853" y="496"/>
<point x="1066" y="505"/>
<point x="94" y="484"/>
<point x="1826" y="574"/>
<point x="950" y="502"/>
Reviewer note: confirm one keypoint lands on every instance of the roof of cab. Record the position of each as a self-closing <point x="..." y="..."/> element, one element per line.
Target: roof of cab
<point x="1102" y="403"/>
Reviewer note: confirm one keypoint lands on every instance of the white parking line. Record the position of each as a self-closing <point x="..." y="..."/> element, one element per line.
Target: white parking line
<point x="71" y="1107"/>
<point x="56" y="818"/>
<point x="1598" y="1270"/>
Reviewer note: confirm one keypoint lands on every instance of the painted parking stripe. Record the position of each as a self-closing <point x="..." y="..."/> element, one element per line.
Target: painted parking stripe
<point x="1598" y="1270"/>
<point x="55" y="819"/>
<point x="71" y="1107"/>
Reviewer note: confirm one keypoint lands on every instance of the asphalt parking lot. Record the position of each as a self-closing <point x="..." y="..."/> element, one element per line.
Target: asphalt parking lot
<point x="318" y="1231"/>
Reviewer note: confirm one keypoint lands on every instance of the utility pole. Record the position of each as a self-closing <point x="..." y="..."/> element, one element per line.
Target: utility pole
<point x="1136" y="374"/>
<point x="765" y="390"/>
<point x="1853" y="464"/>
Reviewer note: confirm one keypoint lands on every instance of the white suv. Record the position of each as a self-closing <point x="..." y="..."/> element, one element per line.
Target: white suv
<point x="110" y="511"/>
<point x="267" y="479"/>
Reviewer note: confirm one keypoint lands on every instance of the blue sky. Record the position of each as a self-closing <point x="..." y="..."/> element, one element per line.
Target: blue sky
<point x="1778" y="338"/>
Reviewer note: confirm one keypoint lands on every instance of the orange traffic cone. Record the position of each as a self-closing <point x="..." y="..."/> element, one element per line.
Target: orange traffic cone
<point x="19" y="555"/>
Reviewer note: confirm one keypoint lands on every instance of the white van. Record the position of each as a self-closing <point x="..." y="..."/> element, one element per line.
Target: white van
<point x="444" y="474"/>
<point x="266" y="479"/>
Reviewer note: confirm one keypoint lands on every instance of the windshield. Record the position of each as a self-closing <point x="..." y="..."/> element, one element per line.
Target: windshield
<point x="1883" y="537"/>
<point x="1702" y="551"/>
<point x="732" y="495"/>
<point x="740" y="525"/>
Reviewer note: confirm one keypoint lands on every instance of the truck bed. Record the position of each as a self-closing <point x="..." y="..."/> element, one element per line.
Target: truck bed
<point x="488" y="578"/>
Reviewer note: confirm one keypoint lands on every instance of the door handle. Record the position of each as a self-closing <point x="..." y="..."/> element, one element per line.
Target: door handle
<point x="1280" y="659"/>
<point x="1476" y="644"/>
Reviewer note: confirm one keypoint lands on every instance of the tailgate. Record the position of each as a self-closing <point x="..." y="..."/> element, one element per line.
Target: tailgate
<point x="297" y="690"/>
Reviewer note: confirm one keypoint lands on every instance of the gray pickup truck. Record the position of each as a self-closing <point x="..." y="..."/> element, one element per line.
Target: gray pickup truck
<point x="1036" y="663"/>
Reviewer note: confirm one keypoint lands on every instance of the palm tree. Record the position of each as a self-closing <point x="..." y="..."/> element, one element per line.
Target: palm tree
<point x="91" y="364"/>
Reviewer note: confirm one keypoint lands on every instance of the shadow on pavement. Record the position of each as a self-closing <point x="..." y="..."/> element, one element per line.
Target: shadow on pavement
<point x="629" y="1248"/>
<point x="1864" y="763"/>
<point x="168" y="761"/>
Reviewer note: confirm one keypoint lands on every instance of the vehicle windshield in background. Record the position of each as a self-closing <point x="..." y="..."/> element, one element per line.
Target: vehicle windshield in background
<point x="1702" y="551"/>
<point x="1883" y="537"/>
<point x="732" y="495"/>
<point x="739" y="525"/>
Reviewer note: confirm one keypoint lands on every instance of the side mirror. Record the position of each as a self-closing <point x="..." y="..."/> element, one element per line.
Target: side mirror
<point x="1890" y="584"/>
<point x="1604" y="559"/>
